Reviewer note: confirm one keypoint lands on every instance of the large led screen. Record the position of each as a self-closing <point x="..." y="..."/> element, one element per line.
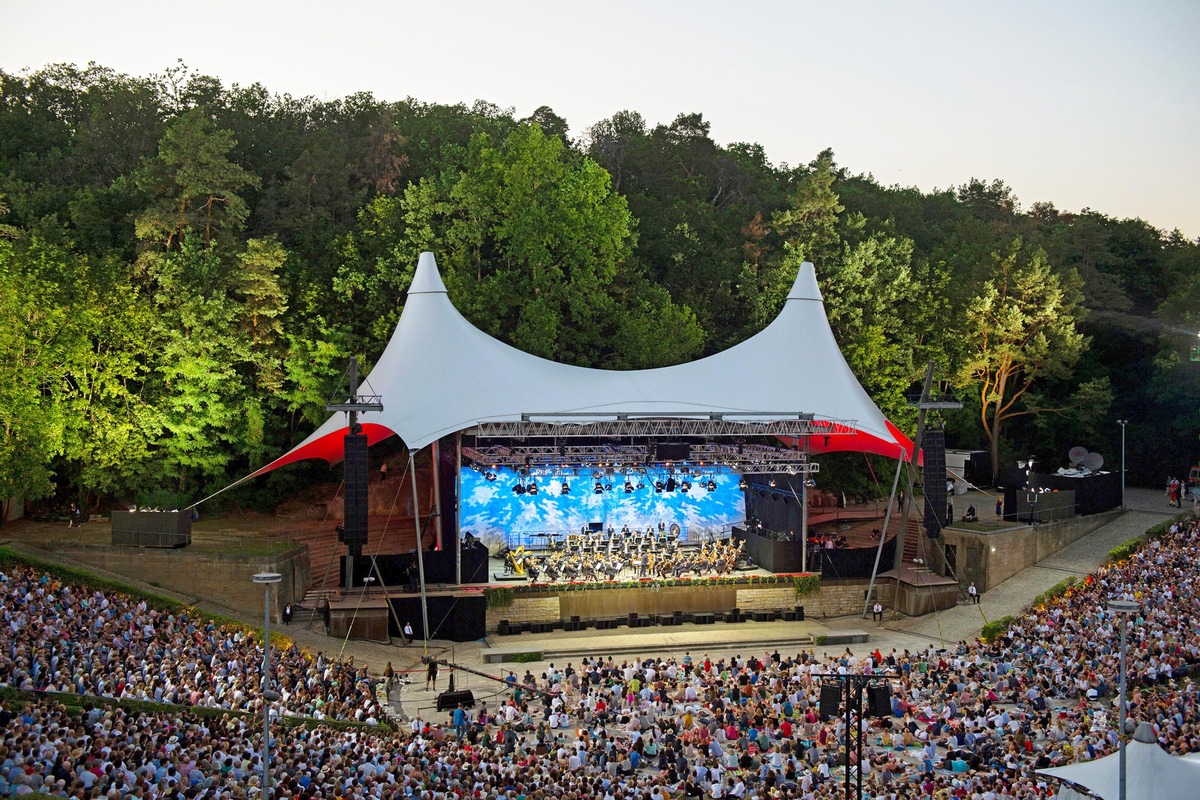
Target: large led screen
<point x="495" y="513"/>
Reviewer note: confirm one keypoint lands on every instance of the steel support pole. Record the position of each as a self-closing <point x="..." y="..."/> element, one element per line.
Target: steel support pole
<point x="266" y="686"/>
<point x="412" y="469"/>
<point x="887" y="520"/>
<point x="804" y="515"/>
<point x="1121" y="722"/>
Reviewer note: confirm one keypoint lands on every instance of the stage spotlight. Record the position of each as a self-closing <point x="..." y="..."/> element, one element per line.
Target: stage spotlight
<point x="519" y="488"/>
<point x="771" y="483"/>
<point x="628" y="487"/>
<point x="712" y="485"/>
<point x="532" y="489"/>
<point x="641" y="484"/>
<point x="608" y="487"/>
<point x="599" y="488"/>
<point x="566" y="488"/>
<point x="742" y="484"/>
<point x="490" y="476"/>
<point x="659" y="486"/>
<point x="685" y="486"/>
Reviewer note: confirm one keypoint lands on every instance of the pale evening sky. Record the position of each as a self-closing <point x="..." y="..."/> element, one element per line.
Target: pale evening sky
<point x="1085" y="104"/>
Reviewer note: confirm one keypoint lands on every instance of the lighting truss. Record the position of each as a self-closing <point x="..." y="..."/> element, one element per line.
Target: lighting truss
<point x="748" y="459"/>
<point x="759" y="423"/>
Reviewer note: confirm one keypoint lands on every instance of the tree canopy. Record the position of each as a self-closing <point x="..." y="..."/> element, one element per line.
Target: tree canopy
<point x="185" y="265"/>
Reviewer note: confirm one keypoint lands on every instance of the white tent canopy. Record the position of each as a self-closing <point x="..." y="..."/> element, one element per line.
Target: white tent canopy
<point x="1151" y="773"/>
<point x="440" y="374"/>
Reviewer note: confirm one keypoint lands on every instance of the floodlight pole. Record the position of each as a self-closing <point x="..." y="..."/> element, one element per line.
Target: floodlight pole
<point x="266" y="579"/>
<point x="1122" y="608"/>
<point x="1122" y="423"/>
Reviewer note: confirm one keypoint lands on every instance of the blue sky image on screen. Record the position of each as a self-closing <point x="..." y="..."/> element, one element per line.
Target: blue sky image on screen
<point x="497" y="515"/>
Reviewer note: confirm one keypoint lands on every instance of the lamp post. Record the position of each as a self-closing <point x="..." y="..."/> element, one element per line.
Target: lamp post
<point x="1122" y="423"/>
<point x="266" y="579"/>
<point x="1124" y="608"/>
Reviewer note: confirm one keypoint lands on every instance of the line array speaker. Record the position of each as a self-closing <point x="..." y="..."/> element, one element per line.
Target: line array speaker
<point x="355" y="523"/>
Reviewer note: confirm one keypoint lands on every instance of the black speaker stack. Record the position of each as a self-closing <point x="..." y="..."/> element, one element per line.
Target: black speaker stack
<point x="354" y="526"/>
<point x="831" y="700"/>
<point x="933" y="447"/>
<point x="448" y="701"/>
<point x="879" y="700"/>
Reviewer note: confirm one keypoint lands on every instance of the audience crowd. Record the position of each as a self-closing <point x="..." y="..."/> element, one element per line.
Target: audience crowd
<point x="61" y="638"/>
<point x="973" y="721"/>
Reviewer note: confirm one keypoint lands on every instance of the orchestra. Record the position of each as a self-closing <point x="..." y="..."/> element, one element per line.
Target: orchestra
<point x="598" y="555"/>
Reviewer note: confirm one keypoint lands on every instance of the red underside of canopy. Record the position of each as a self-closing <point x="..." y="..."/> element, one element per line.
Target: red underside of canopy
<point x="330" y="447"/>
<point x="859" y="442"/>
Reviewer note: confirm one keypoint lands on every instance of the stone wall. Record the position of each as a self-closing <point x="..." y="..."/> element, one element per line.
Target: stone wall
<point x="766" y="598"/>
<point x="989" y="559"/>
<point x="535" y="608"/>
<point x="842" y="597"/>
<point x="221" y="578"/>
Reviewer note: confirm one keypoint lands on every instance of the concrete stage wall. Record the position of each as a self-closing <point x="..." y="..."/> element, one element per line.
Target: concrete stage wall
<point x="835" y="598"/>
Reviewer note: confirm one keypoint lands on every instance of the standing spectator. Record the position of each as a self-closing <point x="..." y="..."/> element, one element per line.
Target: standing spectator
<point x="431" y="675"/>
<point x="999" y="508"/>
<point x="74" y="516"/>
<point x="383" y="472"/>
<point x="287" y="614"/>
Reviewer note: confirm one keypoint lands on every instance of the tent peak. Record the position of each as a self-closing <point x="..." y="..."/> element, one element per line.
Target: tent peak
<point x="1145" y="733"/>
<point x="427" y="279"/>
<point x="805" y="287"/>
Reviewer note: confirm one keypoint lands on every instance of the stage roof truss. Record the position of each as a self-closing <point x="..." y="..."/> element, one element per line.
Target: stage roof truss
<point x="759" y="424"/>
<point x="744" y="458"/>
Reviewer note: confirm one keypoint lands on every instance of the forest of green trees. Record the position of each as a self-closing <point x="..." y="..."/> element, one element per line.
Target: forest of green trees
<point x="185" y="267"/>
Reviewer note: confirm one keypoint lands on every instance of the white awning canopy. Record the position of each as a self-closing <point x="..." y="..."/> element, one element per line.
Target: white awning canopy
<point x="440" y="374"/>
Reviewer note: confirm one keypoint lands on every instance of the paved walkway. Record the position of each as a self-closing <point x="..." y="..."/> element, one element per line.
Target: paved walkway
<point x="1148" y="507"/>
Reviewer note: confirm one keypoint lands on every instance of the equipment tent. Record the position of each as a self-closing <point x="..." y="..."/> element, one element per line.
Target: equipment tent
<point x="439" y="374"/>
<point x="1151" y="773"/>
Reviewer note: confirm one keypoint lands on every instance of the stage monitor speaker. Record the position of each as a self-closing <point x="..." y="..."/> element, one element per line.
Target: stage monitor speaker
<point x="831" y="700"/>
<point x="879" y="700"/>
<point x="448" y="701"/>
<point x="669" y="451"/>
<point x="355" y="523"/>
